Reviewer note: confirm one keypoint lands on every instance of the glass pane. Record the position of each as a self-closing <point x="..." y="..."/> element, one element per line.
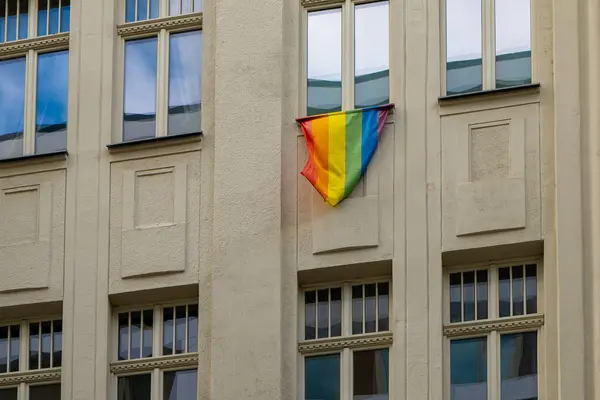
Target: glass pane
<point x="323" y="313"/>
<point x="518" y="359"/>
<point x="186" y="6"/>
<point x="168" y="330"/>
<point x="370" y="308"/>
<point x="14" y="348"/>
<point x="192" y="328"/>
<point x="2" y="20"/>
<point x="513" y="43"/>
<point x="372" y="57"/>
<point x="180" y="327"/>
<point x="136" y="335"/>
<point x="357" y="309"/>
<point x="130" y="11"/>
<point x="12" y="104"/>
<point x="136" y="387"/>
<point x="455" y="302"/>
<point x="142" y="10"/>
<point x="12" y="20"/>
<point x="482" y="294"/>
<point x="197" y="5"/>
<point x="23" y="17"/>
<point x="469" y="296"/>
<point x="54" y="10"/>
<point x="45" y="392"/>
<point x="504" y="291"/>
<point x="531" y="288"/>
<point x="8" y="394"/>
<point x="384" y="306"/>
<point x="42" y="22"/>
<point x="34" y="345"/>
<point x="139" y="119"/>
<point x="65" y="16"/>
<point x="46" y="343"/>
<point x="154" y="8"/>
<point x="371" y="374"/>
<point x="468" y="369"/>
<point x="322" y="378"/>
<point x="310" y="315"/>
<point x="185" y="82"/>
<point x="52" y="102"/>
<point x="324" y="92"/>
<point x="463" y="39"/>
<point x="173" y="7"/>
<point x="148" y="323"/>
<point x="517" y="290"/>
<point x="336" y="312"/>
<point x="3" y="349"/>
<point x="57" y="350"/>
<point x="180" y="385"/>
<point x="123" y="336"/>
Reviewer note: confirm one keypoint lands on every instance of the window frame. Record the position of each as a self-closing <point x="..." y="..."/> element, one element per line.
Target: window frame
<point x="160" y="28"/>
<point x="348" y="48"/>
<point x="488" y="46"/>
<point x="157" y="365"/>
<point x="348" y="343"/>
<point x="494" y="327"/>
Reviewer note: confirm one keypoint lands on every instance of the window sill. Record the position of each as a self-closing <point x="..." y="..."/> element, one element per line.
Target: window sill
<point x="150" y="142"/>
<point x="44" y="157"/>
<point x="488" y="94"/>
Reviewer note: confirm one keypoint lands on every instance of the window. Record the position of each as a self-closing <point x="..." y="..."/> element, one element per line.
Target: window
<point x="347" y="69"/>
<point x="162" y="69"/>
<point x="35" y="347"/>
<point x="157" y="342"/>
<point x="33" y="111"/>
<point x="488" y="45"/>
<point x="492" y="328"/>
<point x="339" y="324"/>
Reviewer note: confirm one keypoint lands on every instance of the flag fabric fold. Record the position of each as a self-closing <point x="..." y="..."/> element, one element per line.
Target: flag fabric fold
<point x="340" y="146"/>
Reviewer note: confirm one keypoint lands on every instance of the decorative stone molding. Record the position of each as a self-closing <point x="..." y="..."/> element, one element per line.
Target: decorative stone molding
<point x="320" y="3"/>
<point x="21" y="47"/>
<point x="15" y="378"/>
<point x="320" y="345"/>
<point x="502" y="325"/>
<point x="147" y="364"/>
<point x="156" y="25"/>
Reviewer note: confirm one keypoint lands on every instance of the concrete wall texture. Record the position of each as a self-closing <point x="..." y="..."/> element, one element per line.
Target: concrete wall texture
<point x="226" y="220"/>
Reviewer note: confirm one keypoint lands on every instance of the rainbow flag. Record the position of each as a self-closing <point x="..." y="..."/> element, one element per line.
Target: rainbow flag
<point x="340" y="147"/>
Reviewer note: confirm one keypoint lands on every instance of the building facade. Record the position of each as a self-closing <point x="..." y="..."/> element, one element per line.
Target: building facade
<point x="158" y="242"/>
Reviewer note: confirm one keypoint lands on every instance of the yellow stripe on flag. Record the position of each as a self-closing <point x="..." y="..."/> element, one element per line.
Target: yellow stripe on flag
<point x="337" y="159"/>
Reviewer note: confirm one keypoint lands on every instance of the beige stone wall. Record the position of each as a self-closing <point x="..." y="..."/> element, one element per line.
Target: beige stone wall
<point x="229" y="220"/>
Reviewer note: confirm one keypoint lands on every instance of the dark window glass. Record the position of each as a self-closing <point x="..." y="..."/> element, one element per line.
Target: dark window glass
<point x="135" y="387"/>
<point x="11" y="33"/>
<point x="12" y="104"/>
<point x="324" y="66"/>
<point x="142" y="10"/>
<point x="130" y="10"/>
<point x="322" y="377"/>
<point x="3" y="349"/>
<point x="469" y="296"/>
<point x="310" y="315"/>
<point x="154" y="8"/>
<point x="468" y="369"/>
<point x="323" y="313"/>
<point x="139" y="114"/>
<point x="370" y="307"/>
<point x="46" y="343"/>
<point x="180" y="328"/>
<point x="384" y="306"/>
<point x="513" y="43"/>
<point x="357" y="309"/>
<point x="8" y="394"/>
<point x="147" y="323"/>
<point x="34" y="345"/>
<point x="180" y="385"/>
<point x="531" y="288"/>
<point x="123" y="336"/>
<point x="136" y="335"/>
<point x="168" y="316"/>
<point x="517" y="290"/>
<point x="193" y="328"/>
<point x="65" y="16"/>
<point x="372" y="58"/>
<point x="371" y="374"/>
<point x="518" y="364"/>
<point x="504" y="291"/>
<point x="54" y="14"/>
<point x="336" y="312"/>
<point x="197" y="5"/>
<point x="185" y="82"/>
<point x="174" y="7"/>
<point x="14" y="348"/>
<point x="57" y="343"/>
<point x="455" y="300"/>
<point x="463" y="46"/>
<point x="23" y="18"/>
<point x="45" y="392"/>
<point x="42" y="21"/>
<point x="482" y="294"/>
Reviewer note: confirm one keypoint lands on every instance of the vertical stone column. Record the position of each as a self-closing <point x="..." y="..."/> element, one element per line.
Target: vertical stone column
<point x="246" y="334"/>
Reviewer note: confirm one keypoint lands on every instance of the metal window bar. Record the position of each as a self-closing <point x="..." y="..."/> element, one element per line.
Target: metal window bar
<point x="48" y="17"/>
<point x="377" y="307"/>
<point x="17" y="17"/>
<point x="180" y="6"/>
<point x="39" y="345"/>
<point x="141" y="333"/>
<point x="129" y="335"/>
<point x="475" y="293"/>
<point x="174" y="331"/>
<point x="148" y="9"/>
<point x="187" y="319"/>
<point x="462" y="298"/>
<point x="364" y="309"/>
<point x="59" y="15"/>
<point x="51" y="344"/>
<point x="510" y="291"/>
<point x="6" y="20"/>
<point x="329" y="312"/>
<point x="135" y="17"/>
<point x="8" y="350"/>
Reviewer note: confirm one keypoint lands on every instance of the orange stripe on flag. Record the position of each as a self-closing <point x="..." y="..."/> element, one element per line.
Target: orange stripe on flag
<point x="320" y="130"/>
